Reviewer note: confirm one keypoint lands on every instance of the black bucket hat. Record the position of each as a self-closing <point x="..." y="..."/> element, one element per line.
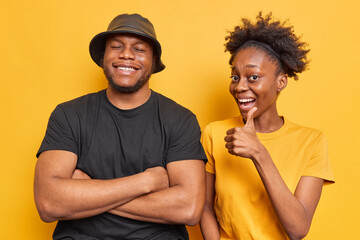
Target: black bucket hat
<point x="127" y="23"/>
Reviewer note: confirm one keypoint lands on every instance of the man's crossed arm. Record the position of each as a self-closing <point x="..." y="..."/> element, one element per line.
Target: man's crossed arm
<point x="155" y="195"/>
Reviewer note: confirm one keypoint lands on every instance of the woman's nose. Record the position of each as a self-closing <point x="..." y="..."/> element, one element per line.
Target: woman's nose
<point x="242" y="85"/>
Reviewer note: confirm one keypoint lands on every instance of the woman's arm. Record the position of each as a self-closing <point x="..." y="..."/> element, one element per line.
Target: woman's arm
<point x="208" y="223"/>
<point x="295" y="211"/>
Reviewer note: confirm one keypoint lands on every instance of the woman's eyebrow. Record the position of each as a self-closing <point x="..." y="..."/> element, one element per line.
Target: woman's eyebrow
<point x="252" y="66"/>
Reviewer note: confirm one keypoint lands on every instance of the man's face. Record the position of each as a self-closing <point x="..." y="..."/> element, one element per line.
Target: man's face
<point x="128" y="62"/>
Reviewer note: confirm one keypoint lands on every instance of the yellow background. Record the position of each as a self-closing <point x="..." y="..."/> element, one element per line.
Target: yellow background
<point x="45" y="61"/>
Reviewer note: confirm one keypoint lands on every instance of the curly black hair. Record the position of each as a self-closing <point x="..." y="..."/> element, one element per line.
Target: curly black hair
<point x="290" y="52"/>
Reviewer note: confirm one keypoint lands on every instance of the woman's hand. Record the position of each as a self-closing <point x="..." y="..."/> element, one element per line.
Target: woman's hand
<point x="242" y="141"/>
<point x="295" y="211"/>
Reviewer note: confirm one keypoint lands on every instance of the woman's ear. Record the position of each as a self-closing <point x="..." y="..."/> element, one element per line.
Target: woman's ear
<point x="282" y="82"/>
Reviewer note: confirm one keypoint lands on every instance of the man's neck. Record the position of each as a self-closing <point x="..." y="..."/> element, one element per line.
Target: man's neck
<point x="126" y="101"/>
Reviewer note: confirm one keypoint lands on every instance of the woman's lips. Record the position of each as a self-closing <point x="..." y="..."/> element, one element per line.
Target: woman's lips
<point x="246" y="103"/>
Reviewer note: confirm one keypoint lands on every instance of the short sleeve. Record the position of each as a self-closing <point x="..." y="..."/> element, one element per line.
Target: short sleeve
<point x="206" y="140"/>
<point x="184" y="139"/>
<point x="59" y="134"/>
<point x="319" y="164"/>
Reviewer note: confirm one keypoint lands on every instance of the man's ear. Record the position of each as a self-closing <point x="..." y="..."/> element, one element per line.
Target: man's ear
<point x="154" y="63"/>
<point x="102" y="60"/>
<point x="282" y="82"/>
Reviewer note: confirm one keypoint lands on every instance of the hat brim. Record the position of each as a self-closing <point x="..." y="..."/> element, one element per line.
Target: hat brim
<point x="97" y="46"/>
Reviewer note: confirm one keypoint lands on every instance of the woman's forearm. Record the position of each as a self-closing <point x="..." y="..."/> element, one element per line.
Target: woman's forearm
<point x="209" y="225"/>
<point x="295" y="211"/>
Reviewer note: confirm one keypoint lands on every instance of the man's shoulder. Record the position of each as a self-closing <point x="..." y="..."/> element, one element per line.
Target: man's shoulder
<point x="79" y="108"/>
<point x="82" y="102"/>
<point x="169" y="106"/>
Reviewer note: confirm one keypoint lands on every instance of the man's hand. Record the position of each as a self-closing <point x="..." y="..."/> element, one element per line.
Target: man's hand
<point x="242" y="141"/>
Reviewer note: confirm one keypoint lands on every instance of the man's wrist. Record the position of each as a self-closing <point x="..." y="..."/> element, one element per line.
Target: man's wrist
<point x="147" y="181"/>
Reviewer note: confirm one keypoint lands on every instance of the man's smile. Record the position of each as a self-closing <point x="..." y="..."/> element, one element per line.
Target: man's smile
<point x="129" y="69"/>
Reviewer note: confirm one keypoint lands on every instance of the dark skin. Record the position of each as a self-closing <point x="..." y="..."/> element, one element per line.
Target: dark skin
<point x="254" y="78"/>
<point x="266" y="29"/>
<point x="128" y="59"/>
<point x="173" y="195"/>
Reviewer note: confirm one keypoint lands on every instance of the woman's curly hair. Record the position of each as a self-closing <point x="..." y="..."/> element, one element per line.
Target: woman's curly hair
<point x="280" y="37"/>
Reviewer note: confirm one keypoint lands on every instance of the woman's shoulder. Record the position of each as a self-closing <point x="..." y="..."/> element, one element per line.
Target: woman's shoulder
<point x="221" y="126"/>
<point x="297" y="128"/>
<point x="228" y="122"/>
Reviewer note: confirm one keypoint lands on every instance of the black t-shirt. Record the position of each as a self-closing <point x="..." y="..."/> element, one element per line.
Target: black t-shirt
<point x="114" y="143"/>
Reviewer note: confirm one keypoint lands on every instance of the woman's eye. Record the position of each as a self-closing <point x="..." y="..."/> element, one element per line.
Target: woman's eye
<point x="234" y="78"/>
<point x="253" y="78"/>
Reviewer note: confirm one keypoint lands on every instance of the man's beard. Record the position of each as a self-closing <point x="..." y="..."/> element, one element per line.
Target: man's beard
<point x="127" y="90"/>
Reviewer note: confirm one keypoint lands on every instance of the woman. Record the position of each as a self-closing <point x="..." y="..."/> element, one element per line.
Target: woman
<point x="265" y="180"/>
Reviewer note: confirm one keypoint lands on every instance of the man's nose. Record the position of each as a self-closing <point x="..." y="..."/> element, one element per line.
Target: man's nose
<point x="127" y="53"/>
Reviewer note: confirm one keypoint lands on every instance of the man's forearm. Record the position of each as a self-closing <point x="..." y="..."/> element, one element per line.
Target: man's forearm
<point x="73" y="198"/>
<point x="169" y="206"/>
<point x="182" y="203"/>
<point x="58" y="196"/>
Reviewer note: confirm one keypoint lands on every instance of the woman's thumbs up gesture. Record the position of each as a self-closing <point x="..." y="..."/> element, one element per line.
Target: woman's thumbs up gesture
<point x="242" y="141"/>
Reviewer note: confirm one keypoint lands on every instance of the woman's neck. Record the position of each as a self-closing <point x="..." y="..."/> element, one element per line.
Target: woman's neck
<point x="267" y="124"/>
<point x="268" y="121"/>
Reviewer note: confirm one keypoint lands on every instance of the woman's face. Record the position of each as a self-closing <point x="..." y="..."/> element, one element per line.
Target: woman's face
<point x="255" y="82"/>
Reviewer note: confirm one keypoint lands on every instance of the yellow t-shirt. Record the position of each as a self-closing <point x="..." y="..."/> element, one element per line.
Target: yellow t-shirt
<point x="242" y="206"/>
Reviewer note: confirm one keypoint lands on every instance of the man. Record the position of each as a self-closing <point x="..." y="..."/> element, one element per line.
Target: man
<point x="126" y="162"/>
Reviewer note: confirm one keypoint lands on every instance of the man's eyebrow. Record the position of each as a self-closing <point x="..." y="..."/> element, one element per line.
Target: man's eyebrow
<point x="116" y="40"/>
<point x="138" y="41"/>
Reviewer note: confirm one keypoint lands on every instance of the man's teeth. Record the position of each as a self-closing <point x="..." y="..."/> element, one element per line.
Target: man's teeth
<point x="246" y="100"/>
<point x="126" y="69"/>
